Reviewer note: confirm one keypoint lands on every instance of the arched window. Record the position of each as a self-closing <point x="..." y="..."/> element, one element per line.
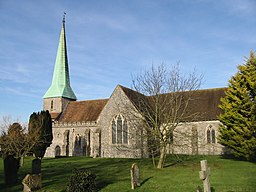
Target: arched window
<point x="125" y="132"/>
<point x="113" y="132"/>
<point x="119" y="130"/>
<point x="57" y="151"/>
<point x="208" y="136"/>
<point x="213" y="136"/>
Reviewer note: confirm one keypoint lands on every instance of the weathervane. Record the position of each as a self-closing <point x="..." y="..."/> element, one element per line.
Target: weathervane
<point x="64" y="15"/>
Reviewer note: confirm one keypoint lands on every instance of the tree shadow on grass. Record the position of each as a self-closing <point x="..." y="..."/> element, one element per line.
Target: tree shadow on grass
<point x="170" y="164"/>
<point x="234" y="158"/>
<point x="100" y="184"/>
<point x="104" y="177"/>
<point x="11" y="188"/>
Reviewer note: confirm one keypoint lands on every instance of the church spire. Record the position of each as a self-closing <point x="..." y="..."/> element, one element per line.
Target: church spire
<point x="60" y="86"/>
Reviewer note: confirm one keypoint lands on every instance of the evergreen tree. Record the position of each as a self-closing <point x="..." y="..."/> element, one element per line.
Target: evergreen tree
<point x="41" y="124"/>
<point x="238" y="131"/>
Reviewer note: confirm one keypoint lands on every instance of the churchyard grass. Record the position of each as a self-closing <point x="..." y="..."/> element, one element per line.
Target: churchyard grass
<point x="114" y="174"/>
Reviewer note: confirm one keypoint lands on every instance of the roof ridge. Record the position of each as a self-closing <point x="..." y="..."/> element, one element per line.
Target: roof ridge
<point x="90" y="100"/>
<point x="192" y="91"/>
<point x="88" y="110"/>
<point x="130" y="89"/>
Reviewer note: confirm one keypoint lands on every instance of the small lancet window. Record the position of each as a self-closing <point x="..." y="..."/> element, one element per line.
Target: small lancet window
<point x="119" y="129"/>
<point x="213" y="136"/>
<point x="51" y="104"/>
<point x="125" y="133"/>
<point x="208" y="136"/>
<point x="113" y="132"/>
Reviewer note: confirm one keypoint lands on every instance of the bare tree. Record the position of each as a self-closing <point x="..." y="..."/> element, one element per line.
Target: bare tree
<point x="164" y="103"/>
<point x="15" y="143"/>
<point x="5" y="122"/>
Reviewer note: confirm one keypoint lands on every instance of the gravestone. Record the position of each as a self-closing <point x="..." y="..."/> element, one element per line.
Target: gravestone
<point x="204" y="175"/>
<point x="11" y="167"/>
<point x="36" y="166"/>
<point x="135" y="176"/>
<point x="32" y="182"/>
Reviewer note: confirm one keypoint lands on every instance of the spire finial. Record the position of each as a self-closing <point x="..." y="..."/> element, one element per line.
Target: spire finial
<point x="64" y="15"/>
<point x="60" y="86"/>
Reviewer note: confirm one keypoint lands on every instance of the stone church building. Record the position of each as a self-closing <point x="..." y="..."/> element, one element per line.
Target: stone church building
<point x="103" y="127"/>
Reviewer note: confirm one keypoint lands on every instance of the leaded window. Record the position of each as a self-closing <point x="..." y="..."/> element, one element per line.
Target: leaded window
<point x="113" y="132"/>
<point x="211" y="135"/>
<point x="119" y="130"/>
<point x="125" y="132"/>
<point x="208" y="136"/>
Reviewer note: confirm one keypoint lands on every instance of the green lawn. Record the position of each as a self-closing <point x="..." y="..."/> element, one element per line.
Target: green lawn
<point x="114" y="174"/>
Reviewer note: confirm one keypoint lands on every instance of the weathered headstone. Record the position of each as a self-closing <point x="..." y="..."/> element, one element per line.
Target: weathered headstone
<point x="36" y="166"/>
<point x="21" y="161"/>
<point x="32" y="182"/>
<point x="204" y="174"/>
<point x="135" y="176"/>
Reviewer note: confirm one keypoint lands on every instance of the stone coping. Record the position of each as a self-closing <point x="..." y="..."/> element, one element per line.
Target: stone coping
<point x="77" y="124"/>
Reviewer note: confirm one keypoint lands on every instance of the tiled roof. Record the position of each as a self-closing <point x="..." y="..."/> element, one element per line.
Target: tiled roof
<point x="54" y="115"/>
<point x="78" y="111"/>
<point x="135" y="97"/>
<point x="203" y="103"/>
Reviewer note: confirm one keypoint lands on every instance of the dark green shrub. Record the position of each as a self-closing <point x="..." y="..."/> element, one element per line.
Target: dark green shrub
<point x="81" y="181"/>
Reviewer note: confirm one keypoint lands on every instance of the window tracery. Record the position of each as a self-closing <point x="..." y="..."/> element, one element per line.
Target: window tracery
<point x="119" y="130"/>
<point x="211" y="135"/>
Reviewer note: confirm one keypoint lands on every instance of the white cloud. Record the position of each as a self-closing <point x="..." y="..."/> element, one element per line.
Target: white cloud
<point x="18" y="73"/>
<point x="241" y="7"/>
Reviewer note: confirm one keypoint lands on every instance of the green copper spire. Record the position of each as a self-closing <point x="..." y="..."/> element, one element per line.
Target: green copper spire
<point x="60" y="86"/>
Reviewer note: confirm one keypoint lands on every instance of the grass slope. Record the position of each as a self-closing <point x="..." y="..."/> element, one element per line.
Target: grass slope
<point x="114" y="174"/>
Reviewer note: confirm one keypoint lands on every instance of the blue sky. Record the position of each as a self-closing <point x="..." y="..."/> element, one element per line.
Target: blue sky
<point x="108" y="41"/>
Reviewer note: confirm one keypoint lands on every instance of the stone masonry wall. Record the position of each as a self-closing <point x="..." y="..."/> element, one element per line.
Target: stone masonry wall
<point x="75" y="139"/>
<point x="191" y="138"/>
<point x="59" y="104"/>
<point x="136" y="147"/>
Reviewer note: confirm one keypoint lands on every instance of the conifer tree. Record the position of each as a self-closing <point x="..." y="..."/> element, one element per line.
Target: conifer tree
<point x="238" y="131"/>
<point x="41" y="123"/>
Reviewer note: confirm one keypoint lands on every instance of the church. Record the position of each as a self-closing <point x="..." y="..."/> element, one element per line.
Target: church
<point x="103" y="127"/>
